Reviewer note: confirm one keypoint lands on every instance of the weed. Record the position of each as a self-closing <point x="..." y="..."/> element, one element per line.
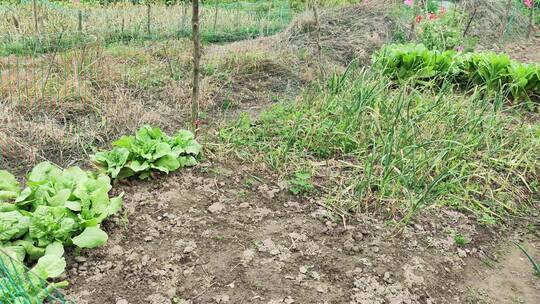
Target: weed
<point x="300" y="183"/>
<point x="460" y="239"/>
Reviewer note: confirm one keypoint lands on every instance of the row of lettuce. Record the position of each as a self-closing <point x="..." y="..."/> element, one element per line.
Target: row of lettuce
<point x="489" y="70"/>
<point x="65" y="207"/>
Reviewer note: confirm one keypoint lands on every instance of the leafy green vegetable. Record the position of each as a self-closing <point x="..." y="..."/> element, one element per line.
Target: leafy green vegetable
<point x="51" y="224"/>
<point x="53" y="263"/>
<point x="57" y="207"/>
<point x="13" y="225"/>
<point x="148" y="150"/>
<point x="486" y="70"/>
<point x="9" y="186"/>
<point x="90" y="238"/>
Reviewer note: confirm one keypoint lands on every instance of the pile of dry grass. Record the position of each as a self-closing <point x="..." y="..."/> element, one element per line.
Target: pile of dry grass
<point x="346" y="34"/>
<point x="490" y="18"/>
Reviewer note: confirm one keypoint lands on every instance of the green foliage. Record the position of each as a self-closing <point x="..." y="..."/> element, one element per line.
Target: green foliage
<point x="400" y="148"/>
<point x="487" y="70"/>
<point x="443" y="31"/>
<point x="300" y="183"/>
<point x="460" y="239"/>
<point x="149" y="150"/>
<point x="56" y="208"/>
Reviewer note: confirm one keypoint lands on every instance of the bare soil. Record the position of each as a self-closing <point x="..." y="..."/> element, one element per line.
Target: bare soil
<point x="229" y="233"/>
<point x="526" y="50"/>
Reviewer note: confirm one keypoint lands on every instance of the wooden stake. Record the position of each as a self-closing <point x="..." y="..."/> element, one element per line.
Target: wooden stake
<point x="34" y="3"/>
<point x="416" y="7"/>
<point x="318" y="39"/>
<point x="79" y="27"/>
<point x="531" y="21"/>
<point x="148" y="13"/>
<point x="196" y="63"/>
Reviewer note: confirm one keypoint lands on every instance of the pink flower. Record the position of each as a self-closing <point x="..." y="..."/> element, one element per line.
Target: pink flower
<point x="460" y="48"/>
<point x="432" y="16"/>
<point x="528" y="3"/>
<point x="409" y="2"/>
<point x="442" y="10"/>
<point x="419" y="18"/>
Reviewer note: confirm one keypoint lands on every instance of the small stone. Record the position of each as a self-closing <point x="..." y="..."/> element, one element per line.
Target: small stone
<point x="221" y="299"/>
<point x="80" y="259"/>
<point x="122" y="301"/>
<point x="190" y="247"/>
<point x="303" y="269"/>
<point x="320" y="289"/>
<point x="216" y="208"/>
<point x="248" y="255"/>
<point x="288" y="300"/>
<point x="148" y="239"/>
<point x="387" y="277"/>
<point x="117" y="250"/>
<point x="244" y="205"/>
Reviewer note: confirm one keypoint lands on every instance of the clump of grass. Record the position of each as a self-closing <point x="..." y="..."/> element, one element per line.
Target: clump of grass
<point x="398" y="150"/>
<point x="460" y="239"/>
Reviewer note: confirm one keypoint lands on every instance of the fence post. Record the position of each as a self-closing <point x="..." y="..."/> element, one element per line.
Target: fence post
<point x="196" y="62"/>
<point x="215" y="16"/>
<point x="531" y="20"/>
<point x="79" y="27"/>
<point x="34" y="4"/>
<point x="148" y="13"/>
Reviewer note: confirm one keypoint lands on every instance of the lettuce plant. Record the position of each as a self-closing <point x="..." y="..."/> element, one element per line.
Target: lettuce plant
<point x="487" y="70"/>
<point x="56" y="208"/>
<point x="148" y="150"/>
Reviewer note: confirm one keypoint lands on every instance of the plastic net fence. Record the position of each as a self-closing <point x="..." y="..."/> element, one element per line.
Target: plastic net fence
<point x="60" y="27"/>
<point x="19" y="285"/>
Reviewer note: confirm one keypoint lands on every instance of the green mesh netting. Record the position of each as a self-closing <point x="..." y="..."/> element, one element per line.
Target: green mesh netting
<point x="19" y="285"/>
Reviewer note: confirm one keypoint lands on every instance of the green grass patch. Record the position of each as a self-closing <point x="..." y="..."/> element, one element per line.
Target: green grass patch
<point x="399" y="150"/>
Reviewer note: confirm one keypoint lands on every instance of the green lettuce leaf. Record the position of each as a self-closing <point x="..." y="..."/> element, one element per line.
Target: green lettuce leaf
<point x="52" y="264"/>
<point x="9" y="186"/>
<point x="13" y="225"/>
<point x="91" y="237"/>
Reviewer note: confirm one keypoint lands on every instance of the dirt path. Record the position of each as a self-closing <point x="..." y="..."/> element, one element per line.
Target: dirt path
<point x="508" y="281"/>
<point x="214" y="235"/>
